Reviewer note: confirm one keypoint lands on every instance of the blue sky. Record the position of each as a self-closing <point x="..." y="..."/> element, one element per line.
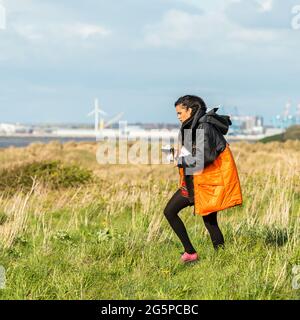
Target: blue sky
<point x="139" y="56"/>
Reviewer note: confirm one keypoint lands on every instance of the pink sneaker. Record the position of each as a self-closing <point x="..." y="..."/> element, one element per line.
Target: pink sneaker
<point x="189" y="257"/>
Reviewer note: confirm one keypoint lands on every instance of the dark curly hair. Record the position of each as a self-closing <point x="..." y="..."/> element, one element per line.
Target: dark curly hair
<point x="193" y="102"/>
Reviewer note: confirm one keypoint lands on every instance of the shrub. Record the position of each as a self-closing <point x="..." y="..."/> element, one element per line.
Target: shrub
<point x="53" y="174"/>
<point x="3" y="217"/>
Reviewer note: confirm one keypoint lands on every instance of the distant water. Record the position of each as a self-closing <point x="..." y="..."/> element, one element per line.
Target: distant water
<point x="6" y="142"/>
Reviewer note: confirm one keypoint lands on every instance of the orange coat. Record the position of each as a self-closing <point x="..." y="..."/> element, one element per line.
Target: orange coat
<point x="217" y="186"/>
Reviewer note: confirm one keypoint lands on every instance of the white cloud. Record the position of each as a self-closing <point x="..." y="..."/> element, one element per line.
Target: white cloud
<point x="253" y="36"/>
<point x="176" y="27"/>
<point x="28" y="32"/>
<point x="265" y="5"/>
<point x="59" y="31"/>
<point x="204" y="32"/>
<point x="2" y="17"/>
<point x="266" y="14"/>
<point x="86" y="30"/>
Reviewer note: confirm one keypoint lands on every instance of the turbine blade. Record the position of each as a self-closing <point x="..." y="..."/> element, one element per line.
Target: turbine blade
<point x="102" y="112"/>
<point x="114" y="119"/>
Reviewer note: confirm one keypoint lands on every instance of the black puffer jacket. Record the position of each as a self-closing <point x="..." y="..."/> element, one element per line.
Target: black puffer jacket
<point x="212" y="142"/>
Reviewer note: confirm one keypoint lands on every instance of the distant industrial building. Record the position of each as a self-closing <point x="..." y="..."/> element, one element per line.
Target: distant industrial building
<point x="247" y="125"/>
<point x="8" y="129"/>
<point x="287" y="118"/>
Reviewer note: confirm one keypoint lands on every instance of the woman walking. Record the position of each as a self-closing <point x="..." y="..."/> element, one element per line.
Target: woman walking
<point x="208" y="175"/>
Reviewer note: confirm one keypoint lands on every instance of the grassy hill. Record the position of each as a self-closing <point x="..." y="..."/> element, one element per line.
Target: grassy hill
<point x="291" y="133"/>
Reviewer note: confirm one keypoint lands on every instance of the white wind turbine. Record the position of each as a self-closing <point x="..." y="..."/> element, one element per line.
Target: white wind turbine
<point x="97" y="111"/>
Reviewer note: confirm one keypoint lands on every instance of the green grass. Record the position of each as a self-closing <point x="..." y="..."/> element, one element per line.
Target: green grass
<point x="104" y="257"/>
<point x="108" y="239"/>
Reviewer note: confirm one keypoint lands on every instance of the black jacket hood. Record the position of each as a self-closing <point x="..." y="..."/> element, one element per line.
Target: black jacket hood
<point x="214" y="140"/>
<point x="221" y="122"/>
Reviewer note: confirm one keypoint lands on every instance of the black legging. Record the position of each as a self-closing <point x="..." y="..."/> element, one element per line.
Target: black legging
<point x="177" y="203"/>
